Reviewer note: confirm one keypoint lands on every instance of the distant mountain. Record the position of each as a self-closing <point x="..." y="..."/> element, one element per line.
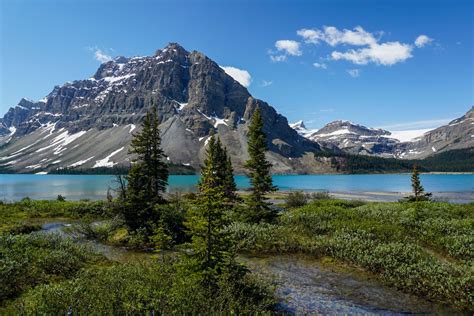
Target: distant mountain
<point x="89" y="123"/>
<point x="357" y="139"/>
<point x="351" y="138"/>
<point x="457" y="134"/>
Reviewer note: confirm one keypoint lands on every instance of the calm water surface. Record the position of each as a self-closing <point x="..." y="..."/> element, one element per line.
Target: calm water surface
<point x="74" y="187"/>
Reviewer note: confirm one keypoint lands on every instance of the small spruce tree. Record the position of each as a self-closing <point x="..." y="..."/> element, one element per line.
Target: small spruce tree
<point x="148" y="176"/>
<point x="259" y="172"/>
<point x="419" y="193"/>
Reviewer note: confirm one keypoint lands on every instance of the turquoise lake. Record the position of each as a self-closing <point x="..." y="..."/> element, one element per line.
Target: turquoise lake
<point x="75" y="187"/>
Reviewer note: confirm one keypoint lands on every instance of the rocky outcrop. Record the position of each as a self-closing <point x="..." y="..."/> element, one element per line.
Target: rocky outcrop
<point x="89" y="123"/>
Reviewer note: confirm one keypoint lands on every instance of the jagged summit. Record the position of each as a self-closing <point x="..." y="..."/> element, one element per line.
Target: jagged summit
<point x="88" y="123"/>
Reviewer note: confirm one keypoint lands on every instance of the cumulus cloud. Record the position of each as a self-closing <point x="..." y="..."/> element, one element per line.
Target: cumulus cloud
<point x="332" y="36"/>
<point x="386" y="54"/>
<point x="320" y="65"/>
<point x="354" y="73"/>
<point x="241" y="76"/>
<point x="371" y="50"/>
<point x="289" y="47"/>
<point x="101" y="56"/>
<point x="422" y="41"/>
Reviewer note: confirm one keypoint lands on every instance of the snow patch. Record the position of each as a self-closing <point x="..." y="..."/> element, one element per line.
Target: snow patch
<point x="80" y="162"/>
<point x="105" y="162"/>
<point x="132" y="127"/>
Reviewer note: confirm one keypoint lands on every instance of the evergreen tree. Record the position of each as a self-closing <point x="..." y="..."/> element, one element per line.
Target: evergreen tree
<point x="418" y="190"/>
<point x="212" y="247"/>
<point x="259" y="172"/>
<point x="148" y="176"/>
<point x="230" y="188"/>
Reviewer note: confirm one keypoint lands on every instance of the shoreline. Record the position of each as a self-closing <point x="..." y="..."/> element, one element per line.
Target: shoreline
<point x="462" y="197"/>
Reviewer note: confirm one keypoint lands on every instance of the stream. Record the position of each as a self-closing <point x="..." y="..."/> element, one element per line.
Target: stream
<point x="305" y="285"/>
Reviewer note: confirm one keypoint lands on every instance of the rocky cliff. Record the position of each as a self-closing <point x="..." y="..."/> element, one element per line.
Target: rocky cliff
<point x="89" y="123"/>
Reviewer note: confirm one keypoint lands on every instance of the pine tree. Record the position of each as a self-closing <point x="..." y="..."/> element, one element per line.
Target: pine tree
<point x="259" y="172"/>
<point x="230" y="188"/>
<point x="148" y="176"/>
<point x="212" y="246"/>
<point x="418" y="190"/>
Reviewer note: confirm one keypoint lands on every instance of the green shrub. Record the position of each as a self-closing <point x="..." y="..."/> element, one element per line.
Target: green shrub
<point x="28" y="260"/>
<point x="145" y="288"/>
<point x="296" y="199"/>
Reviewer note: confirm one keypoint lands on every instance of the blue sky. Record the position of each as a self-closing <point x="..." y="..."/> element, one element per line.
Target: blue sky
<point x="312" y="60"/>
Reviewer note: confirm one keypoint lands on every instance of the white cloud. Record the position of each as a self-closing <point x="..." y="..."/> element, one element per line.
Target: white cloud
<point x="99" y="55"/>
<point x="241" y="76"/>
<point x="320" y="65"/>
<point x="332" y="36"/>
<point x="386" y="54"/>
<point x="266" y="83"/>
<point x="422" y="41"/>
<point x="354" y="73"/>
<point x="289" y="47"/>
<point x="277" y="58"/>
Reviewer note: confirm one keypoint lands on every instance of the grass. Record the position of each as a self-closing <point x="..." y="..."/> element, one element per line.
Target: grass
<point x="422" y="248"/>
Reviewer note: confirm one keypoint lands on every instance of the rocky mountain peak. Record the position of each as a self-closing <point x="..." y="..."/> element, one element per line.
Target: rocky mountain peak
<point x="192" y="94"/>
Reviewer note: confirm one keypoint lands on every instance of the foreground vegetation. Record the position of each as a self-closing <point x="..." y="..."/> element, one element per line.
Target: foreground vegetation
<point x="415" y="245"/>
<point x="425" y="248"/>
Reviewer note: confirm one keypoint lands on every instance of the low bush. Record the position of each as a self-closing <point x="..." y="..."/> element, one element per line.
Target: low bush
<point x="296" y="199"/>
<point x="146" y="288"/>
<point x="29" y="260"/>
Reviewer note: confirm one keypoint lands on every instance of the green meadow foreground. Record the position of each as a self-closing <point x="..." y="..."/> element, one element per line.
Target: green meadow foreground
<point x="424" y="248"/>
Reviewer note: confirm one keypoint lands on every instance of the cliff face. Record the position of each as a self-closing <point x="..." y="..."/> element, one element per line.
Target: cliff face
<point x="89" y="123"/>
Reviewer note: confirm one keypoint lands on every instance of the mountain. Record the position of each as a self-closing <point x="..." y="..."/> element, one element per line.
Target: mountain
<point x="89" y="123"/>
<point x="360" y="140"/>
<point x="351" y="138"/>
<point x="457" y="134"/>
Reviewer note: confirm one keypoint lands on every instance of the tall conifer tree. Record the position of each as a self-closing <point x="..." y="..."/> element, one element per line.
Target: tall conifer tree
<point x="212" y="246"/>
<point x="148" y="176"/>
<point x="259" y="172"/>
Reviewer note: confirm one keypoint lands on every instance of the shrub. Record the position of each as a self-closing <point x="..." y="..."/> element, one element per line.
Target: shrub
<point x="146" y="288"/>
<point x="28" y="260"/>
<point x="296" y="199"/>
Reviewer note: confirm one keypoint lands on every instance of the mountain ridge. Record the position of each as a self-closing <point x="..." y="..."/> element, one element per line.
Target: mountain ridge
<point x="89" y="123"/>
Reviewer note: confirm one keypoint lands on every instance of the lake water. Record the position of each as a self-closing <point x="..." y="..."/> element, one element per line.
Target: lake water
<point x="74" y="187"/>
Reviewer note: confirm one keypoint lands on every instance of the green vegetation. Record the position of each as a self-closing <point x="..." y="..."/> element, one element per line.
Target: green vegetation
<point x="25" y="215"/>
<point x="425" y="248"/>
<point x="416" y="245"/>
<point x="213" y="251"/>
<point x="457" y="160"/>
<point x="419" y="193"/>
<point x="154" y="287"/>
<point x="147" y="179"/>
<point x="29" y="260"/>
<point x="259" y="173"/>
<point x="117" y="170"/>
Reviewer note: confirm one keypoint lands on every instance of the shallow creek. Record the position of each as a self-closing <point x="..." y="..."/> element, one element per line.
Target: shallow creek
<point x="306" y="285"/>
